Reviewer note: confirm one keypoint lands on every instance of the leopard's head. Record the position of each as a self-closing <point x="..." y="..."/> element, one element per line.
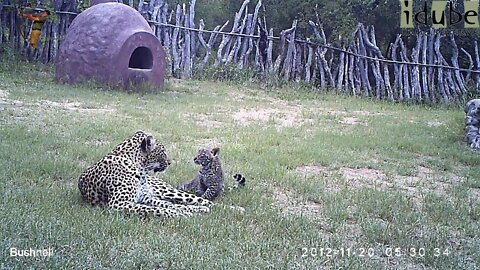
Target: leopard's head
<point x="157" y="159"/>
<point x="206" y="156"/>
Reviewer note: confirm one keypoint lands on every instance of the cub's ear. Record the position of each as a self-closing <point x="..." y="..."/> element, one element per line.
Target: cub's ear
<point x="215" y="151"/>
<point x="148" y="144"/>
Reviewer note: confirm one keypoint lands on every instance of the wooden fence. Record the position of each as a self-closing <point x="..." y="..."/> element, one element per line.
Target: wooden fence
<point x="359" y="68"/>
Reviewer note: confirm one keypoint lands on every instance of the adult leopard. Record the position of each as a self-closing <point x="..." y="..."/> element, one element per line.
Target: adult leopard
<point x="115" y="181"/>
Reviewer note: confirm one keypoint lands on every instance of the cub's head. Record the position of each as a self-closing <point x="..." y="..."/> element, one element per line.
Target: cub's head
<point x="157" y="159"/>
<point x="206" y="156"/>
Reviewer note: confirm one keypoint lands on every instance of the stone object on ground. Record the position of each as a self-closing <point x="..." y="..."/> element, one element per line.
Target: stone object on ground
<point x="111" y="43"/>
<point x="472" y="123"/>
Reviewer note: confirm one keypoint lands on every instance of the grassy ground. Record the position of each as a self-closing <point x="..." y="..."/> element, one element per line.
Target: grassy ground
<point x="333" y="182"/>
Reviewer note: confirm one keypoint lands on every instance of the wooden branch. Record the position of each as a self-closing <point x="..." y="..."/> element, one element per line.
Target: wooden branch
<point x="370" y="45"/>
<point x="259" y="56"/>
<point x="248" y="45"/>
<point x="166" y="36"/>
<point x="471" y="65"/>
<point x="406" y="74"/>
<point x="319" y="33"/>
<point x="356" y="74"/>
<point x="459" y="78"/>
<point x="431" y="70"/>
<point x="321" y="69"/>
<point x="2" y="23"/>
<point x="397" y="70"/>
<point x="238" y="41"/>
<point x="318" y="30"/>
<point x="298" y="63"/>
<point x="261" y="48"/>
<point x="375" y="51"/>
<point x="187" y="47"/>
<point x="44" y="43"/>
<point x="283" y="36"/>
<point x="363" y="65"/>
<point x="54" y="41"/>
<point x="269" y="62"/>
<point x="308" y="65"/>
<point x="151" y="10"/>
<point x="142" y="10"/>
<point x="291" y="54"/>
<point x="344" y="78"/>
<point x="415" y="73"/>
<point x="439" y="57"/>
<point x="340" y="75"/>
<point x="388" y="87"/>
<point x="425" y="86"/>
<point x="175" y="52"/>
<point x="191" y="16"/>
<point x="155" y="8"/>
<point x="208" y="48"/>
<point x="449" y="85"/>
<point x="477" y="58"/>
<point x="226" y="38"/>
<point x="211" y="42"/>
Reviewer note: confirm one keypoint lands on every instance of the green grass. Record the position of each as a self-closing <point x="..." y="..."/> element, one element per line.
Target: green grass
<point x="308" y="157"/>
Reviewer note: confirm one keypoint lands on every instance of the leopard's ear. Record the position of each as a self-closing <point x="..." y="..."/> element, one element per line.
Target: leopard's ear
<point x="148" y="144"/>
<point x="215" y="151"/>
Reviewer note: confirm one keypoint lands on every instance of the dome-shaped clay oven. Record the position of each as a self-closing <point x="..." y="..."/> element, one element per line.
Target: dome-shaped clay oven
<point x="113" y="44"/>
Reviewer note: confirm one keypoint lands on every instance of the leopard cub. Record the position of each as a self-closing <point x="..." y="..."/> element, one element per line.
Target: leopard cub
<point x="209" y="181"/>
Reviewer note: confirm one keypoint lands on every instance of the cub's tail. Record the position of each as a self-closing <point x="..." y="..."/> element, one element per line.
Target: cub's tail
<point x="240" y="180"/>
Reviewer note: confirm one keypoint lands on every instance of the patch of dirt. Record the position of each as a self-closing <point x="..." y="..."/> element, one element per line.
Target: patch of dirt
<point x="336" y="112"/>
<point x="352" y="121"/>
<point x="209" y="143"/>
<point x="73" y="106"/>
<point x="292" y="203"/>
<point x="203" y="120"/>
<point x="414" y="186"/>
<point x="176" y="83"/>
<point x="364" y="177"/>
<point x="287" y="117"/>
<point x="97" y="143"/>
<point x="48" y="104"/>
<point x="424" y="181"/>
<point x="475" y="194"/>
<point x="307" y="170"/>
<point x="352" y="232"/>
<point x="435" y="123"/>
<point x="3" y="94"/>
<point x="369" y="113"/>
<point x="237" y="208"/>
<point x="236" y="96"/>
